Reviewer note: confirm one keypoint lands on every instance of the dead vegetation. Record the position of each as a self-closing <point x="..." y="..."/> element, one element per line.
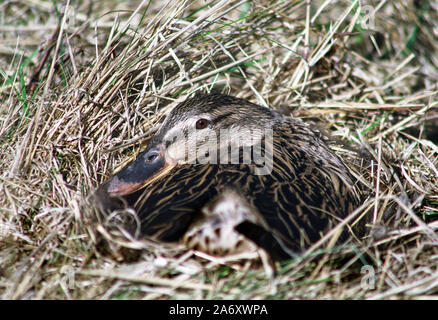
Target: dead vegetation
<point x="84" y="83"/>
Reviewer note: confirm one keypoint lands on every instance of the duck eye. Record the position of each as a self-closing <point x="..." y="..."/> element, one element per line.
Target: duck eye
<point x="201" y="124"/>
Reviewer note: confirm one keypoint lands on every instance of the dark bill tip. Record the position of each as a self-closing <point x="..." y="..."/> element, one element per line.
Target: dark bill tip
<point x="117" y="187"/>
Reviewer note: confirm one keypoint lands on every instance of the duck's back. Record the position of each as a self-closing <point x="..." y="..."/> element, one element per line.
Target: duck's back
<point x="308" y="191"/>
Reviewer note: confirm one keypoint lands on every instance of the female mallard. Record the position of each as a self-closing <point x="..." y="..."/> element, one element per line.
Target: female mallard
<point x="287" y="187"/>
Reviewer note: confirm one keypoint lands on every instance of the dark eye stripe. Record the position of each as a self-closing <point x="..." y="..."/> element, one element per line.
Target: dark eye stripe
<point x="221" y="117"/>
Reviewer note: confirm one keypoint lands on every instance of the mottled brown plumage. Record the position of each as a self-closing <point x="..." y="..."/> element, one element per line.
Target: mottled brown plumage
<point x="308" y="191"/>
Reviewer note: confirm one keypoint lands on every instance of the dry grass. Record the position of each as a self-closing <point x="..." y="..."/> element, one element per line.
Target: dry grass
<point x="84" y="83"/>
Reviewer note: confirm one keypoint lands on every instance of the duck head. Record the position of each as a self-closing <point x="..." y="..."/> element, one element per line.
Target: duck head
<point x="204" y="129"/>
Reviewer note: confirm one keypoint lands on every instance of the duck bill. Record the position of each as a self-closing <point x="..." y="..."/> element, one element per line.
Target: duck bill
<point x="139" y="173"/>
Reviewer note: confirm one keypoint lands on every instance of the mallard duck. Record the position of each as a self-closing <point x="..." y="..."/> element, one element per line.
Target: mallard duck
<point x="281" y="186"/>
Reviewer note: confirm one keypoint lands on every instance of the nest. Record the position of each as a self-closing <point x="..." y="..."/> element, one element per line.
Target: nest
<point x="78" y="107"/>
